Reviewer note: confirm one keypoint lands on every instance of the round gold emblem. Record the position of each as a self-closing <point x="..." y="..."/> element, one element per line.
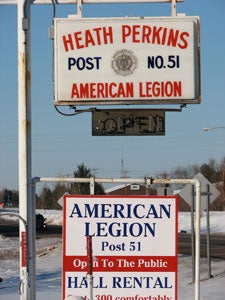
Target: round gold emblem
<point x="124" y="62"/>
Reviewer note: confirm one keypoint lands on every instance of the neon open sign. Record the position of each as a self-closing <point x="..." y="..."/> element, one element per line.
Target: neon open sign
<point x="127" y="61"/>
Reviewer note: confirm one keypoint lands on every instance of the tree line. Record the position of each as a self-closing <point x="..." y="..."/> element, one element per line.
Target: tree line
<point x="48" y="197"/>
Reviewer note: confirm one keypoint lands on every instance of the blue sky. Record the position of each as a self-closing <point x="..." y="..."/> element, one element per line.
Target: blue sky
<point x="60" y="143"/>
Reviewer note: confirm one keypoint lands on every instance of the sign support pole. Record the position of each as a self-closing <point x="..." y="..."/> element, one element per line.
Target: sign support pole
<point x="197" y="238"/>
<point x="27" y="265"/>
<point x="173" y="8"/>
<point x="208" y="233"/>
<point x="193" y="233"/>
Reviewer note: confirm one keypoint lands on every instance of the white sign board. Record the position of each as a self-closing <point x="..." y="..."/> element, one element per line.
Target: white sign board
<point x="134" y="242"/>
<point x="127" y="61"/>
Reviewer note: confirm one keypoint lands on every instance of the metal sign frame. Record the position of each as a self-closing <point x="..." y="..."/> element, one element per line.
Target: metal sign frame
<point x="14" y="2"/>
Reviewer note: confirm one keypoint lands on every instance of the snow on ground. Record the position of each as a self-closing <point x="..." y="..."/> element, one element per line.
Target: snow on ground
<point x="217" y="222"/>
<point x="49" y="261"/>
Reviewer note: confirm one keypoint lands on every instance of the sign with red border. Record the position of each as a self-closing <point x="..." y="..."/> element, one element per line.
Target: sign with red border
<point x="134" y="247"/>
<point x="127" y="60"/>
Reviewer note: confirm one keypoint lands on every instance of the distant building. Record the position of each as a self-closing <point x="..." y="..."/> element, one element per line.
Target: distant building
<point x="130" y="189"/>
<point x="137" y="189"/>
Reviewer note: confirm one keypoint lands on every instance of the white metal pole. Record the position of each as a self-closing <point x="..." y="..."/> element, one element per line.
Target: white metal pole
<point x="197" y="238"/>
<point x="27" y="269"/>
<point x="173" y="8"/>
<point x="92" y="185"/>
<point x="87" y="1"/>
<point x="23" y="244"/>
<point x="193" y="232"/>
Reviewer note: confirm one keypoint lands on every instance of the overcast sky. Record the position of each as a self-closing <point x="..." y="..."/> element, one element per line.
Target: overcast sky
<point x="60" y="143"/>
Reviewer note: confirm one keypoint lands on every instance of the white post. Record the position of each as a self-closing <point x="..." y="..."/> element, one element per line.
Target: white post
<point x="173" y="8"/>
<point x="197" y="238"/>
<point x="27" y="251"/>
<point x="92" y="185"/>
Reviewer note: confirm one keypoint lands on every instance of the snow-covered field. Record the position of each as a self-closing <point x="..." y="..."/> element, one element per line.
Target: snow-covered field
<point x="49" y="252"/>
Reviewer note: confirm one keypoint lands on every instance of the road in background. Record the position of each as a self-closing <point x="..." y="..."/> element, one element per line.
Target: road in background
<point x="11" y="229"/>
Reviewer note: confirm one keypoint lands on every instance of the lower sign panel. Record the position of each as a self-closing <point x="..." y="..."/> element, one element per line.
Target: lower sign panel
<point x="128" y="122"/>
<point x="120" y="248"/>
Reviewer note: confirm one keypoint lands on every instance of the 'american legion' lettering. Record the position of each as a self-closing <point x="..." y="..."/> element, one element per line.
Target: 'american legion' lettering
<point x="103" y="90"/>
<point x="120" y="211"/>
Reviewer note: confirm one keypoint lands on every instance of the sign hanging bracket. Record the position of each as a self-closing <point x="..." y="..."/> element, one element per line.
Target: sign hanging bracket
<point x="79" y="8"/>
<point x="173" y="8"/>
<point x="76" y="111"/>
<point x="78" y="15"/>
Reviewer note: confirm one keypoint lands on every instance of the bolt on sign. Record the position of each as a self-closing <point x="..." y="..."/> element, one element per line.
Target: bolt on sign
<point x="134" y="247"/>
<point x="127" y="61"/>
<point x="128" y="122"/>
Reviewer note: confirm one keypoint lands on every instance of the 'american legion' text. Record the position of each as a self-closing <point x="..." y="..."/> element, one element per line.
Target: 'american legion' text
<point x="104" y="90"/>
<point x="120" y="229"/>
